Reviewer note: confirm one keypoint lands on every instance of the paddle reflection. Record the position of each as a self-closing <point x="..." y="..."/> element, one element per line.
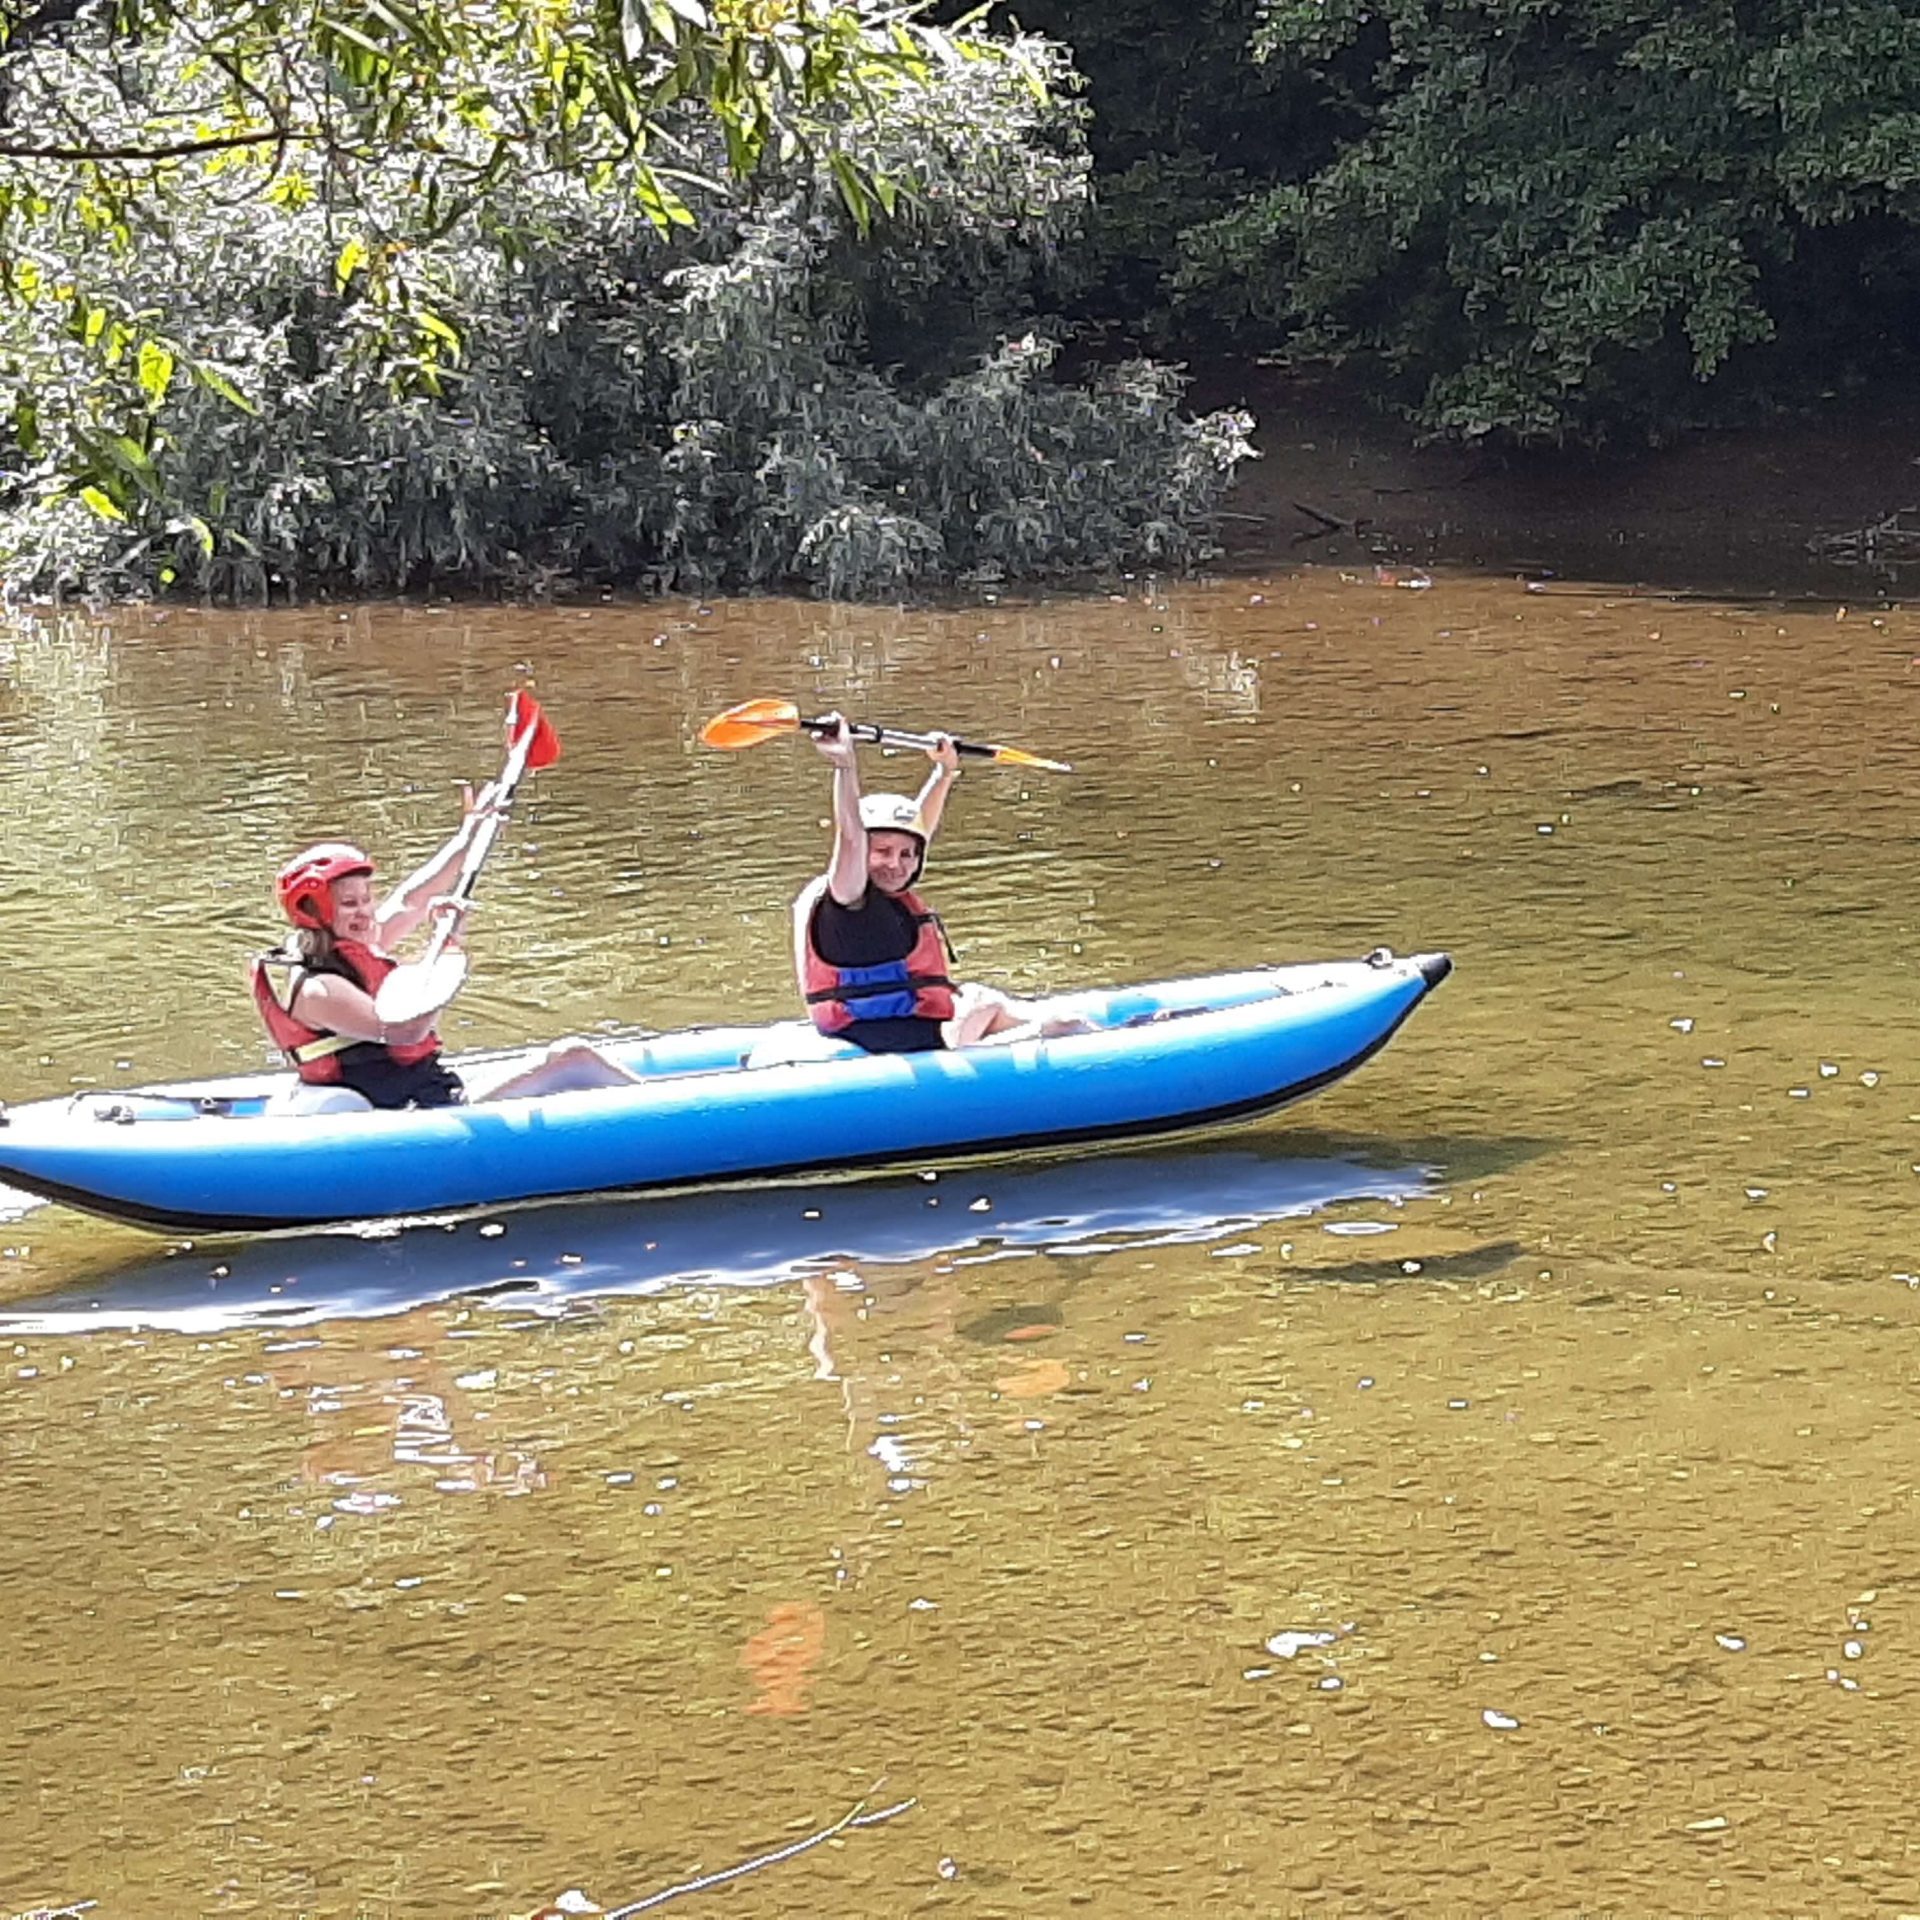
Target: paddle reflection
<point x="539" y="1261"/>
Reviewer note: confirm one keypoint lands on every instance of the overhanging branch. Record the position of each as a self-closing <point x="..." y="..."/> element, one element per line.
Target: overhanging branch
<point x="177" y="150"/>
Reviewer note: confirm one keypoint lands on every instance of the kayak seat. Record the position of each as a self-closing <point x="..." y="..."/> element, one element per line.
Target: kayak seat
<point x="797" y="1043"/>
<point x="300" y="1101"/>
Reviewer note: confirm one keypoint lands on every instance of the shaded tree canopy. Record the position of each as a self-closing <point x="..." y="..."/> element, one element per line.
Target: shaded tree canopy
<point x="1590" y="216"/>
<point x="1531" y="219"/>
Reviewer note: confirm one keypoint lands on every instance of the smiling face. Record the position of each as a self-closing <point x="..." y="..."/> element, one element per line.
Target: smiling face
<point x="893" y="859"/>
<point x="352" y="898"/>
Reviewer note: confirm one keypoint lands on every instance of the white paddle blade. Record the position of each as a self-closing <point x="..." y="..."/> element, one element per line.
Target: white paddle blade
<point x="421" y="987"/>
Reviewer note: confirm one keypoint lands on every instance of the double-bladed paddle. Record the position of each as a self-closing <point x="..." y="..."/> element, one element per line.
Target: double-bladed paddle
<point x="753" y="721"/>
<point x="423" y="986"/>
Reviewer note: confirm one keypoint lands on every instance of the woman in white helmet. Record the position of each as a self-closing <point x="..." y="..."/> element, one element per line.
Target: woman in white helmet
<point x="871" y="955"/>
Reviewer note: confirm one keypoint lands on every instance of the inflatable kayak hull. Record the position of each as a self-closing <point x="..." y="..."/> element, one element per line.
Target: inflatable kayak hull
<point x="716" y="1106"/>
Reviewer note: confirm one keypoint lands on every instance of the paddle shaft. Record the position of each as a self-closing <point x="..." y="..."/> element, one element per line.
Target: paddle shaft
<point x="896" y="737"/>
<point x="482" y="842"/>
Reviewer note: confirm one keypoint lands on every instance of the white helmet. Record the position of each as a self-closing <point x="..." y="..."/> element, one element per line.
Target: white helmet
<point x="892" y="813"/>
<point x="895" y="813"/>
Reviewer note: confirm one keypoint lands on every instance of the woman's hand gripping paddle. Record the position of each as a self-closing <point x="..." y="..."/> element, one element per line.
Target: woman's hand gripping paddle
<point x="424" y="986"/>
<point x="756" y="720"/>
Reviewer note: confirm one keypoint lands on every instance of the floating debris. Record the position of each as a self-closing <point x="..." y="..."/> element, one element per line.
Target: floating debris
<point x="1294" y="1640"/>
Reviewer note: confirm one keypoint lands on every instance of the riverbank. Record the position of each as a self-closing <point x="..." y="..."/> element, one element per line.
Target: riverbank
<point x="1740" y="511"/>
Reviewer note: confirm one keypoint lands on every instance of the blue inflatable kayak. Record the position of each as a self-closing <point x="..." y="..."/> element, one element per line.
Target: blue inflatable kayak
<point x="716" y="1105"/>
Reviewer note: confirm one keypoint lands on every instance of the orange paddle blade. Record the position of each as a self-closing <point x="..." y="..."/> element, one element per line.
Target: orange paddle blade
<point x="750" y="723"/>
<point x="523" y="712"/>
<point x="1016" y="757"/>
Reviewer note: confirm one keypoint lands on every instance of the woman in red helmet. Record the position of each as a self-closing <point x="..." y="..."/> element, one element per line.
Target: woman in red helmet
<point x="316" y="995"/>
<point x="871" y="955"/>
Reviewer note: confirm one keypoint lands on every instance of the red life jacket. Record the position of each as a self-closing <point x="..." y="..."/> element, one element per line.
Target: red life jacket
<point x="915" y="986"/>
<point x="313" y="1051"/>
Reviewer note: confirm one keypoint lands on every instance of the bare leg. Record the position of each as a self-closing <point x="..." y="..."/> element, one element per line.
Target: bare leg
<point x="571" y="1066"/>
<point x="982" y="1016"/>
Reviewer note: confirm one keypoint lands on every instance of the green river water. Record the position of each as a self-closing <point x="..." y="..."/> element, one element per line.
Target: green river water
<point x="1486" y="1488"/>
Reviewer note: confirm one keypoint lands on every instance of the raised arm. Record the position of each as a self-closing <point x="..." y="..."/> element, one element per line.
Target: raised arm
<point x="410" y="902"/>
<point x="932" y="798"/>
<point x="847" y="875"/>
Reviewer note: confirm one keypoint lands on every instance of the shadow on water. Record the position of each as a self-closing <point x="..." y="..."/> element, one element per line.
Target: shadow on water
<point x="549" y="1256"/>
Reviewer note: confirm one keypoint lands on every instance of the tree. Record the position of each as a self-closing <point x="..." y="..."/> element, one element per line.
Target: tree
<point x="1564" y="218"/>
<point x="779" y="390"/>
<point x="132" y="125"/>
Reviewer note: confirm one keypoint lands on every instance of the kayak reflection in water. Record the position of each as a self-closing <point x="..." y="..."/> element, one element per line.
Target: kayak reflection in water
<point x="871" y="954"/>
<point x="316" y="993"/>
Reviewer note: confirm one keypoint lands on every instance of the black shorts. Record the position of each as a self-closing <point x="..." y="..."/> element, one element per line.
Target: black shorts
<point x="385" y="1082"/>
<point x="911" y="1034"/>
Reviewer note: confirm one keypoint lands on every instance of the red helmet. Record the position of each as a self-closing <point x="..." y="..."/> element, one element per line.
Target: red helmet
<point x="303" y="882"/>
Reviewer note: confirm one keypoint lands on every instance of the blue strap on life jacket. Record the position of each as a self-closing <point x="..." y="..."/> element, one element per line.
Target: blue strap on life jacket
<point x="880" y="992"/>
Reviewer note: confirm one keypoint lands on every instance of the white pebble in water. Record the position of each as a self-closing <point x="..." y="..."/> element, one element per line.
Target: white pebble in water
<point x="1853" y="1649"/>
<point x="1294" y="1639"/>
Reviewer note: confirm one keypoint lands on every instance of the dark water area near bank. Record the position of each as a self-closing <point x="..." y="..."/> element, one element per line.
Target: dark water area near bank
<point x="1766" y="511"/>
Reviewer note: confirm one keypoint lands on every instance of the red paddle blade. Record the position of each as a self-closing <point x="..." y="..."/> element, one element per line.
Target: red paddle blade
<point x="523" y="712"/>
<point x="749" y="723"/>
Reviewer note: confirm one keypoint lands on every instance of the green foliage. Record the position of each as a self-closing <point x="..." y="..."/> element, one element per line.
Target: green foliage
<point x="587" y="401"/>
<point x="1562" y="218"/>
<point x="1181" y="122"/>
<point x="130" y="125"/>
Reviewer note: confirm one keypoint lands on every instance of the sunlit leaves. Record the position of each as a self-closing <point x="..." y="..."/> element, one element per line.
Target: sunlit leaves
<point x="156" y="370"/>
<point x="135" y="129"/>
<point x="571" y="393"/>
